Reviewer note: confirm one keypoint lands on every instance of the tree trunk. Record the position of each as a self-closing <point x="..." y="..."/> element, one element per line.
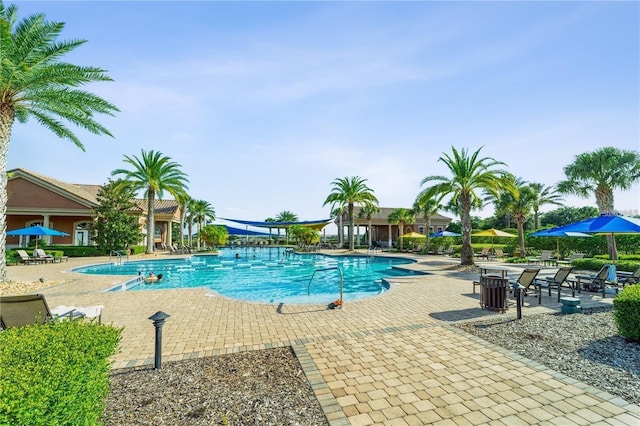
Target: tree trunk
<point x="428" y="241"/>
<point x="6" y="121"/>
<point x="604" y="201"/>
<point x="520" y="225"/>
<point x="151" y="234"/>
<point x="466" y="255"/>
<point x="370" y="229"/>
<point x="350" y="212"/>
<point x="183" y="214"/>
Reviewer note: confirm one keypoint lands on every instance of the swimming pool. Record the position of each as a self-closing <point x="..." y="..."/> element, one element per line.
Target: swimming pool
<point x="271" y="275"/>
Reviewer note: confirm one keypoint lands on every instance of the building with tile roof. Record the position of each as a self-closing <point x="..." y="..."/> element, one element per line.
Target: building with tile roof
<point x="383" y="232"/>
<point x="35" y="199"/>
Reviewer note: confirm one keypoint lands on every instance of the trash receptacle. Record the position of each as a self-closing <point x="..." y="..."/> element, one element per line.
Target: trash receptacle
<point x="493" y="292"/>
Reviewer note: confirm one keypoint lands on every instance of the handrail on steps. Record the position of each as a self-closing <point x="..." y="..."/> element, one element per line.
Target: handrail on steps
<point x="328" y="269"/>
<point x="118" y="254"/>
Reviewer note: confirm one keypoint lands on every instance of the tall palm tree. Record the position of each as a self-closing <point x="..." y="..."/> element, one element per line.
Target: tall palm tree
<point x="337" y="212"/>
<point x="202" y="211"/>
<point x="401" y="216"/>
<point x="429" y="207"/>
<point x="367" y="212"/>
<point x="153" y="173"/>
<point x="348" y="192"/>
<point x="543" y="195"/>
<point x="184" y="203"/>
<point x="599" y="173"/>
<point x="34" y="83"/>
<point x="519" y="205"/>
<point x="471" y="177"/>
<point x="286" y="216"/>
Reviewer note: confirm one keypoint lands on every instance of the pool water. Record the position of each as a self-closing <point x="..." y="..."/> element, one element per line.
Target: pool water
<point x="272" y="275"/>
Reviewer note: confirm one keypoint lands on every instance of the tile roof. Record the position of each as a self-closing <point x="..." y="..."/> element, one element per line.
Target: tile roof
<point x="89" y="192"/>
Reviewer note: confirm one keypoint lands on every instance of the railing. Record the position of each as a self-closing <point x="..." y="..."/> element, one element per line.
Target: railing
<point x="118" y="255"/>
<point x="328" y="269"/>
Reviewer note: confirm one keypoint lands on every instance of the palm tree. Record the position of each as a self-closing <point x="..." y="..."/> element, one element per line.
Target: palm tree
<point x="154" y="173"/>
<point x="286" y="216"/>
<point x="337" y="212"/>
<point x="401" y="217"/>
<point x="202" y="211"/>
<point x="35" y="84"/>
<point x="347" y="192"/>
<point x="184" y="203"/>
<point x="470" y="175"/>
<point x="518" y="205"/>
<point x="543" y="195"/>
<point x="367" y="212"/>
<point x="600" y="172"/>
<point x="429" y="207"/>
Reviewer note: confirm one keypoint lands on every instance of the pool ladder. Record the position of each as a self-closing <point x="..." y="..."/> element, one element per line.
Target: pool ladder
<point x="328" y="269"/>
<point x="118" y="255"/>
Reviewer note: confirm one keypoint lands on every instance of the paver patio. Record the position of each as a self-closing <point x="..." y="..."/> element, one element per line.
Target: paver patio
<point x="392" y="359"/>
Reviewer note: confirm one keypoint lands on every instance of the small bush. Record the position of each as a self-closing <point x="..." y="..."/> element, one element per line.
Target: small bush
<point x="55" y="374"/>
<point x="626" y="311"/>
<point x="80" y="251"/>
<point x="595" y="264"/>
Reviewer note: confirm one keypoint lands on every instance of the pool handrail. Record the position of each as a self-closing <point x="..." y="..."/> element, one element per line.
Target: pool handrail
<point x="328" y="269"/>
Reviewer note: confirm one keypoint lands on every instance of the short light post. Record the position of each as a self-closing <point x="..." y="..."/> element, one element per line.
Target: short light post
<point x="517" y="291"/>
<point x="158" y="321"/>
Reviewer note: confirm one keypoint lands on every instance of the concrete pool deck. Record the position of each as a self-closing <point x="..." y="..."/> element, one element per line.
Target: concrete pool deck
<point x="392" y="359"/>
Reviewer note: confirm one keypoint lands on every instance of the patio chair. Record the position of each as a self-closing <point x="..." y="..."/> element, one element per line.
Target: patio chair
<point x="26" y="259"/>
<point x="40" y="254"/>
<point x="629" y="279"/>
<point x="484" y="253"/>
<point x="570" y="260"/>
<point x="546" y="256"/>
<point x="592" y="282"/>
<point x="497" y="254"/>
<point x="18" y="311"/>
<point x="526" y="281"/>
<point x="557" y="280"/>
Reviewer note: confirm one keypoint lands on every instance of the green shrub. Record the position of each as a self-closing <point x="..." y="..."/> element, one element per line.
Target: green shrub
<point x="55" y="374"/>
<point x="138" y="249"/>
<point x="80" y="251"/>
<point x="595" y="264"/>
<point x="626" y="311"/>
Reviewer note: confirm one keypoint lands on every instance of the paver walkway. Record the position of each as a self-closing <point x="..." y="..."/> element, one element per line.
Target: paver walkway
<point x="392" y="359"/>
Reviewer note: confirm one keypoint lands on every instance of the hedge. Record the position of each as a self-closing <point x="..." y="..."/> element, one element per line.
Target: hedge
<point x="626" y="312"/>
<point x="55" y="374"/>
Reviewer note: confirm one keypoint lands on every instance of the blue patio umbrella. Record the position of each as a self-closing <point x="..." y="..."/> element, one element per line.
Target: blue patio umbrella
<point x="39" y="231"/>
<point x="604" y="224"/>
<point x="445" y="234"/>
<point x="556" y="233"/>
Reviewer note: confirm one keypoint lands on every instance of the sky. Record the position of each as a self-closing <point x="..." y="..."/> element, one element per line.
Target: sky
<point x="264" y="104"/>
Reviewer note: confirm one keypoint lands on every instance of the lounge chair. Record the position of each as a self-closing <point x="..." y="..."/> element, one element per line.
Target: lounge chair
<point x="546" y="256"/>
<point x="40" y="254"/>
<point x="629" y="279"/>
<point x="592" y="282"/>
<point x="571" y="258"/>
<point x="526" y="281"/>
<point x="18" y="311"/>
<point x="557" y="280"/>
<point x="498" y="254"/>
<point x="484" y="253"/>
<point x="26" y="259"/>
